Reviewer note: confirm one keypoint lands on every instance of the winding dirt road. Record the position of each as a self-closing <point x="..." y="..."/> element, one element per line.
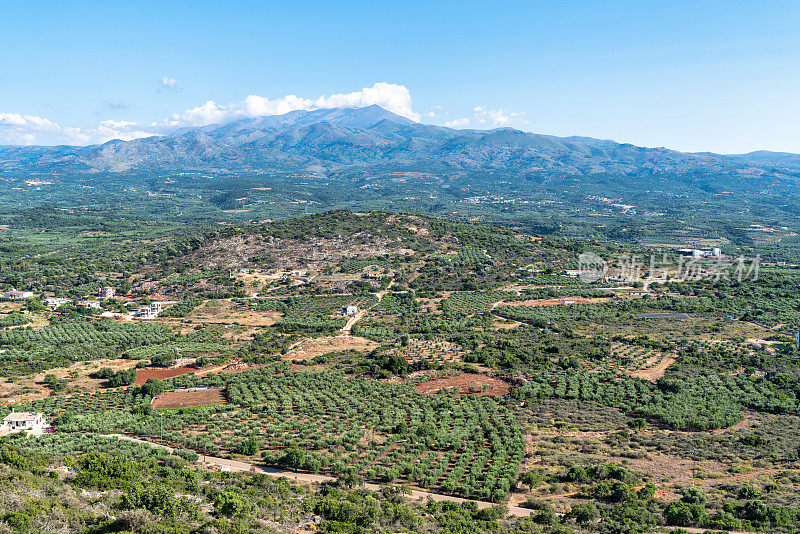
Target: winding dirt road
<point x="235" y="465"/>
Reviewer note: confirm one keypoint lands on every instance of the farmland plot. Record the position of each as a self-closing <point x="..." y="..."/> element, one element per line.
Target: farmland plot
<point x="634" y="360"/>
<point x="431" y="351"/>
<point x="183" y="398"/>
<point x="469" y="302"/>
<point x="641" y="362"/>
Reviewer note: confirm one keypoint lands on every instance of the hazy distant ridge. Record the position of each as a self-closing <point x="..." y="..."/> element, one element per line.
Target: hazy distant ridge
<point x="371" y="136"/>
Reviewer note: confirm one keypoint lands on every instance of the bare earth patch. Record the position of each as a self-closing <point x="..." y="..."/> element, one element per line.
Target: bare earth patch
<point x="565" y="301"/>
<point x="670" y="467"/>
<point x="501" y="324"/>
<point x="430" y="349"/>
<point x="184" y="398"/>
<point x="240" y="367"/>
<point x="750" y="420"/>
<point x="311" y="347"/>
<point x="225" y="312"/>
<point x="481" y="385"/>
<point x="31" y="387"/>
<point x="143" y="375"/>
<point x="654" y="373"/>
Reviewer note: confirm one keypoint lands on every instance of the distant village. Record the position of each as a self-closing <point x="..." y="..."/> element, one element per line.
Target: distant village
<point x="150" y="311"/>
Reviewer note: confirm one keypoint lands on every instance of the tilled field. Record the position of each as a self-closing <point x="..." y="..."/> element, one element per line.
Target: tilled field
<point x="190" y="397"/>
<point x="142" y="375"/>
<point x="480" y="385"/>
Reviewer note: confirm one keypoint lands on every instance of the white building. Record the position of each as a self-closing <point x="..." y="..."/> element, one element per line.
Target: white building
<point x="349" y="310"/>
<point x="23" y="421"/>
<point x="143" y="313"/>
<point x="88" y="304"/>
<point x="148" y="312"/>
<point x="106" y="292"/>
<point x="16" y="295"/>
<point x="55" y="302"/>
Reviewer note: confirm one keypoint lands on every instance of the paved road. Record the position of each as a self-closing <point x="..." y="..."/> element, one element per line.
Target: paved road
<point x="235" y="465"/>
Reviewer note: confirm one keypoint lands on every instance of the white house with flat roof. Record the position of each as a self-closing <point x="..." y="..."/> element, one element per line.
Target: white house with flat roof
<point x="23" y="421"/>
<point x="106" y="292"/>
<point x="17" y="295"/>
<point x="148" y="312"/>
<point x="55" y="302"/>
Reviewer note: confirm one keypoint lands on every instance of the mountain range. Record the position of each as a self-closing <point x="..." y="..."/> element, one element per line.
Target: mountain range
<point x="372" y="137"/>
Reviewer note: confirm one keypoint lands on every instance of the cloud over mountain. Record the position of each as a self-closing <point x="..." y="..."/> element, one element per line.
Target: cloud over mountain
<point x="392" y="97"/>
<point x="18" y="129"/>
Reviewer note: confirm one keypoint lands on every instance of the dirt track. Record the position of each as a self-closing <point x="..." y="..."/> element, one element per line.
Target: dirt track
<point x="656" y="372"/>
<point x="234" y="465"/>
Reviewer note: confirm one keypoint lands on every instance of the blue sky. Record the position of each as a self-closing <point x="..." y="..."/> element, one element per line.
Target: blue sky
<point x="718" y="76"/>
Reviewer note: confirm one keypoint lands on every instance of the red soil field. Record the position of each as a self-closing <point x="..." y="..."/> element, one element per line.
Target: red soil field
<point x="187" y="398"/>
<point x="143" y="374"/>
<point x="492" y="386"/>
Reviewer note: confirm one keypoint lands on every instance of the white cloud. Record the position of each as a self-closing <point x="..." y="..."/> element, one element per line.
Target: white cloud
<point x="393" y="97"/>
<point x="16" y="129"/>
<point x="458" y="123"/>
<point x="208" y="113"/>
<point x="497" y="117"/>
<point x="259" y="106"/>
<point x="28" y="129"/>
<point x="480" y="117"/>
<point x="110" y="129"/>
<point x="434" y="111"/>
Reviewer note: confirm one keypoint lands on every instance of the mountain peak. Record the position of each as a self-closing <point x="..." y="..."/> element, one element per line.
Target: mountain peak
<point x="361" y="118"/>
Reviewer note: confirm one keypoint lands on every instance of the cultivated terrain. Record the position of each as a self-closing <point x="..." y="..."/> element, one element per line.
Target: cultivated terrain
<point x="385" y="372"/>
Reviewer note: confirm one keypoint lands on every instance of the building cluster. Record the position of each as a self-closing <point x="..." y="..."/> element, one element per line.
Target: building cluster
<point x="53" y="303"/>
<point x="705" y="252"/>
<point x="148" y="312"/>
